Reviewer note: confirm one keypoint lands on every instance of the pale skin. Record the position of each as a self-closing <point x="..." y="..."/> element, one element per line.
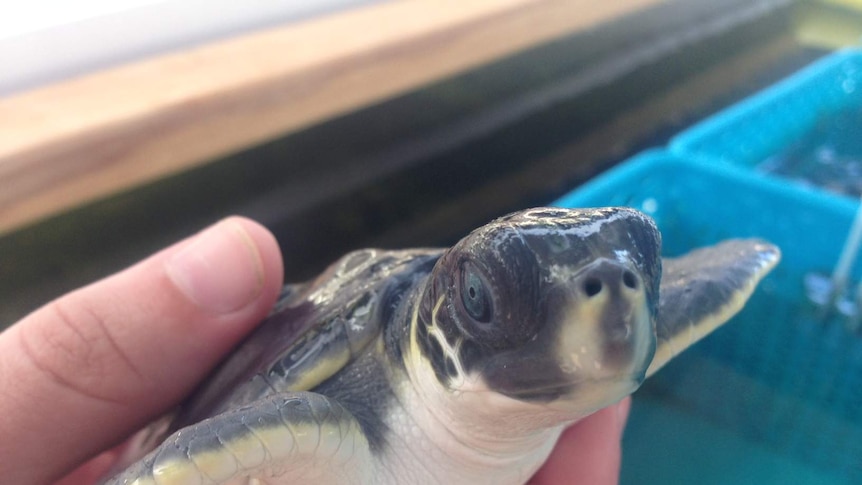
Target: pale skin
<point x="85" y="371"/>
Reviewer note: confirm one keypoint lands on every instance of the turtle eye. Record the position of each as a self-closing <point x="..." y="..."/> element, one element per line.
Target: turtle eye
<point x="474" y="294"/>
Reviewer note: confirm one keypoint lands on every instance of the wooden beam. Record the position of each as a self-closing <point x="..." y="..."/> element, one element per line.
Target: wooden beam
<point x="83" y="139"/>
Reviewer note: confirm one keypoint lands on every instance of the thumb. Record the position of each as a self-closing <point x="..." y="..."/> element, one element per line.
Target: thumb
<point x="589" y="451"/>
<point x="86" y="370"/>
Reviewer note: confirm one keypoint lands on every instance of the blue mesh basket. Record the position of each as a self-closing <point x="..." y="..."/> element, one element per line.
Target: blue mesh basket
<point x="777" y="374"/>
<point x="765" y="126"/>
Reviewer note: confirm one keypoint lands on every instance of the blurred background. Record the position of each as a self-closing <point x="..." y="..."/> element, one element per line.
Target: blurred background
<point x="342" y="124"/>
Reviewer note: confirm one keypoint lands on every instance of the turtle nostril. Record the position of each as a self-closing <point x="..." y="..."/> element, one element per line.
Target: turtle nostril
<point x="592" y="286"/>
<point x="630" y="280"/>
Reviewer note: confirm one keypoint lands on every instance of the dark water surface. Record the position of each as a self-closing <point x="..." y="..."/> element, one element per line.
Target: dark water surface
<point x="829" y="156"/>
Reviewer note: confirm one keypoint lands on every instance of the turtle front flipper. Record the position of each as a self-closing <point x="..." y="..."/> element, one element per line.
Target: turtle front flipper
<point x="703" y="289"/>
<point x="299" y="437"/>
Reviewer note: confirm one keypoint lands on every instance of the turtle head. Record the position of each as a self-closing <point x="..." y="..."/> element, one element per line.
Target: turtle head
<point x="547" y="305"/>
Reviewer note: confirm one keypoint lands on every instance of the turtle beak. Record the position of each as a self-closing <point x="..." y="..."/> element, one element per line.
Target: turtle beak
<point x="605" y="326"/>
<point x="600" y="330"/>
<point x="605" y="334"/>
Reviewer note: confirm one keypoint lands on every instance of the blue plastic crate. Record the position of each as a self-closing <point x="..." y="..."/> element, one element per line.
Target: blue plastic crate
<point x="764" y="125"/>
<point x="776" y="376"/>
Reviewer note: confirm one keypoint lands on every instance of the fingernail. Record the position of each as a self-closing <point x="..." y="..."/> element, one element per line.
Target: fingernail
<point x="220" y="270"/>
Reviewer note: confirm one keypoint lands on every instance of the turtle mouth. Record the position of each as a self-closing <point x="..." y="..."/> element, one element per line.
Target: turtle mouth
<point x="589" y="389"/>
<point x="540" y="395"/>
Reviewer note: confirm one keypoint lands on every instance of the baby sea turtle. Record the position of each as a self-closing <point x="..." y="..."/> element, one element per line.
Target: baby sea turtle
<point x="453" y="366"/>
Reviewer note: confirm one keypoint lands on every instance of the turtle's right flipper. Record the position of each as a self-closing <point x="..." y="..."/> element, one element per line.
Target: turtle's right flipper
<point x="300" y="437"/>
<point x="703" y="289"/>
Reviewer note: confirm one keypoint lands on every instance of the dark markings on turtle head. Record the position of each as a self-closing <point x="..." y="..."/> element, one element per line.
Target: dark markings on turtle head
<point x="434" y="352"/>
<point x="397" y="304"/>
<point x="500" y="290"/>
<point x="451" y="370"/>
<point x="430" y="346"/>
<point x="422" y="331"/>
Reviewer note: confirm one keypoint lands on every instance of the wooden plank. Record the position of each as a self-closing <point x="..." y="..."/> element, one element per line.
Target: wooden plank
<point x="70" y="143"/>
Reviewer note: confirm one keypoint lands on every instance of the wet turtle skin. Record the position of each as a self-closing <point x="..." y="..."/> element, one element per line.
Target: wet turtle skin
<point x="458" y="365"/>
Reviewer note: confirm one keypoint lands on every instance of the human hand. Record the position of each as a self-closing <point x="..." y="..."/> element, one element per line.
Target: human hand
<point x="83" y="372"/>
<point x="589" y="451"/>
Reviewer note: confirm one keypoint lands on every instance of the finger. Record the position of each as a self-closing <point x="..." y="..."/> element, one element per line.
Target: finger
<point x="589" y="452"/>
<point x="83" y="372"/>
<point x="91" y="471"/>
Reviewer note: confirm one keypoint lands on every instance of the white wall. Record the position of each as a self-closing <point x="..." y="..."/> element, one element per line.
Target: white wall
<point x="42" y="41"/>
